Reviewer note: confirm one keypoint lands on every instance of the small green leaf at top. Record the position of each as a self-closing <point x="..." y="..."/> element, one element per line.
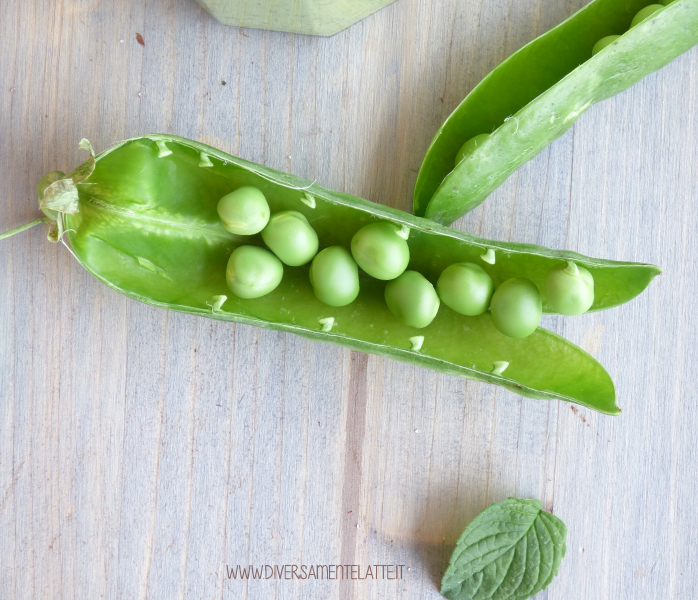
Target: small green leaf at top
<point x="510" y="551"/>
<point x="85" y="145"/>
<point x="86" y="169"/>
<point x="60" y="196"/>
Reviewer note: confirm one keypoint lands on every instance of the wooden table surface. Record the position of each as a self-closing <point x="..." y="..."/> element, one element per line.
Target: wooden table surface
<point x="144" y="453"/>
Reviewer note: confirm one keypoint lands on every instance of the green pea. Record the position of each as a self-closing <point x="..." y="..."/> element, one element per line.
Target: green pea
<point x="645" y="13"/>
<point x="412" y="299"/>
<point x="335" y="276"/>
<point x="244" y="211"/>
<point x="516" y="308"/>
<point x="569" y="289"/>
<point x="253" y="272"/>
<point x="603" y="43"/>
<point x="291" y="238"/>
<point x="466" y="288"/>
<point x="469" y="147"/>
<point x="381" y="250"/>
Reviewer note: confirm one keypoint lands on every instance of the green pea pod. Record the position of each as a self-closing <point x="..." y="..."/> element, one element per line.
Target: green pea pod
<point x="536" y="95"/>
<point x="145" y="223"/>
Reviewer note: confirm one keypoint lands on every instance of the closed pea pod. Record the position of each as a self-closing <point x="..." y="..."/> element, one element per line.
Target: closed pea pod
<point x="538" y="93"/>
<point x="144" y="222"/>
<point x="641" y="16"/>
<point x="334" y="276"/>
<point x="291" y="238"/>
<point x="465" y="288"/>
<point x="412" y="299"/>
<point x="517" y="308"/>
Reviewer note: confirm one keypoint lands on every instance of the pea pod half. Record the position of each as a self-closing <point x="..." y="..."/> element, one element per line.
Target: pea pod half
<point x="537" y="94"/>
<point x="142" y="218"/>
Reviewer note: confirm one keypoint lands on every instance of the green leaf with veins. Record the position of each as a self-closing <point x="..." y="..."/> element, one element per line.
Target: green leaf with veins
<point x="510" y="551"/>
<point x="61" y="196"/>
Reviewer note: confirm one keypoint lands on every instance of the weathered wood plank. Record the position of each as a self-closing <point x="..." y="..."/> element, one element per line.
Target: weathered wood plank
<point x="142" y="454"/>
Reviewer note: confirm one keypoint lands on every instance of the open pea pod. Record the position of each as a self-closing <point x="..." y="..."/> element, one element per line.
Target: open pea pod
<point x="538" y="93"/>
<point x="142" y="218"/>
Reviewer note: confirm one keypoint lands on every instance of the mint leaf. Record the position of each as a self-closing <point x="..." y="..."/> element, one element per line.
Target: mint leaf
<point x="510" y="551"/>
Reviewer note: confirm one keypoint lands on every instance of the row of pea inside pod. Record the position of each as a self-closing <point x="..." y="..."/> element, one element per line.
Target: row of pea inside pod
<point x="381" y="250"/>
<point x="642" y="15"/>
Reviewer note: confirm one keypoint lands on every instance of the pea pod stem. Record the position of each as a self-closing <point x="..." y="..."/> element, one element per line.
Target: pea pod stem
<point x="21" y="228"/>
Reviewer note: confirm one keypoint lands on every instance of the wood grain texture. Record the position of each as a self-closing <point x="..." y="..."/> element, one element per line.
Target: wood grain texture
<point x="143" y="452"/>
